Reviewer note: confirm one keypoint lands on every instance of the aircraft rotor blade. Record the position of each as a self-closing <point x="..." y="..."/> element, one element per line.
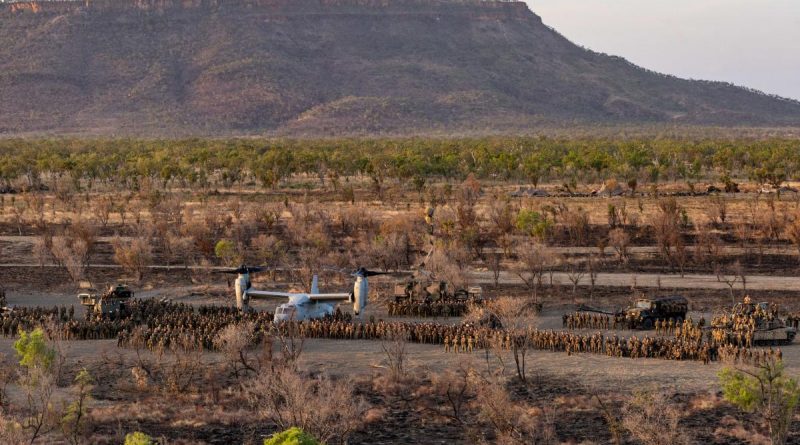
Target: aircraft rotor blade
<point x="242" y="270"/>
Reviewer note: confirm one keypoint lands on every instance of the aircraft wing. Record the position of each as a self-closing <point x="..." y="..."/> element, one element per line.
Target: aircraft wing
<point x="269" y="294"/>
<point x="329" y="297"/>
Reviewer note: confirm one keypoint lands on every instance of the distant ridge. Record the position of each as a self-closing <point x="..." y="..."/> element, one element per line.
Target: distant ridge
<point x="320" y="67"/>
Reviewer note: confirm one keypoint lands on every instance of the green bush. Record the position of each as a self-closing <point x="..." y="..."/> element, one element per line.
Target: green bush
<point x="138" y="438"/>
<point x="766" y="391"/>
<point x="225" y="250"/>
<point x="33" y="350"/>
<point x="533" y="223"/>
<point x="292" y="436"/>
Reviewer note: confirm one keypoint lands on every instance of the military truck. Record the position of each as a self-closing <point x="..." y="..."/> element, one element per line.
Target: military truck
<point x="645" y="311"/>
<point x="414" y="290"/>
<point x="111" y="302"/>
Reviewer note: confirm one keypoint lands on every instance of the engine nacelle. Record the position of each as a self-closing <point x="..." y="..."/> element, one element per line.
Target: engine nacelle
<point x="360" y="293"/>
<point x="242" y="284"/>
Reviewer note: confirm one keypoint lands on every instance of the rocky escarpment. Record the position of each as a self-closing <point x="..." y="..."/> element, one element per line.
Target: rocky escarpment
<point x="321" y="67"/>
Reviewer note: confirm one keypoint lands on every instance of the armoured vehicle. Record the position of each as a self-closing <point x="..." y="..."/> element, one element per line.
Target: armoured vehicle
<point x="111" y="302"/>
<point x="753" y="323"/>
<point x="415" y="290"/>
<point x="645" y="311"/>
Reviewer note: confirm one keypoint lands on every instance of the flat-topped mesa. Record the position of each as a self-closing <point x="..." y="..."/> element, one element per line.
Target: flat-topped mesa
<point x="480" y="8"/>
<point x="330" y="67"/>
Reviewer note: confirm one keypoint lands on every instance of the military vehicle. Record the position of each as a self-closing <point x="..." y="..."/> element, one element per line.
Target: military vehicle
<point x="4" y="306"/>
<point x="414" y="290"/>
<point x="753" y="323"/>
<point x="645" y="311"/>
<point x="112" y="302"/>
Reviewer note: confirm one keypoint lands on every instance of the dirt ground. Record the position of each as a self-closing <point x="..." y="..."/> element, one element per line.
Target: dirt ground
<point x="341" y="357"/>
<point x="558" y="380"/>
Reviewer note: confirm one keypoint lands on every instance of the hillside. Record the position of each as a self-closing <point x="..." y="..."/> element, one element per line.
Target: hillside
<point x="325" y="67"/>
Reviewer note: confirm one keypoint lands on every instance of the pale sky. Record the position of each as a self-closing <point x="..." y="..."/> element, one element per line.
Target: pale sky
<point x="753" y="43"/>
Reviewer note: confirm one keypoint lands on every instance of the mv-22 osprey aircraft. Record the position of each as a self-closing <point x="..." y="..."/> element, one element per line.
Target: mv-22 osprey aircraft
<point x="302" y="306"/>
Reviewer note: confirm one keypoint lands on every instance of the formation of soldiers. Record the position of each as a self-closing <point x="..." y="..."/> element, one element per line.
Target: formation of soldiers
<point x="160" y="323"/>
<point x="685" y="329"/>
<point x="410" y="308"/>
<point x="737" y="355"/>
<point x="793" y="320"/>
<point x="27" y="318"/>
<point x="632" y="347"/>
<point x="587" y="320"/>
<point x="156" y="324"/>
<point x="466" y="338"/>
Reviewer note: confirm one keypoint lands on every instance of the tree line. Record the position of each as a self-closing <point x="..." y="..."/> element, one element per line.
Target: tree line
<point x="124" y="163"/>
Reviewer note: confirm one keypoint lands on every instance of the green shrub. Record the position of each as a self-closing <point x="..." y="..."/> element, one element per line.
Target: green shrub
<point x="225" y="250"/>
<point x="292" y="436"/>
<point x="138" y="438"/>
<point x="533" y="223"/>
<point x="33" y="350"/>
<point x="767" y="392"/>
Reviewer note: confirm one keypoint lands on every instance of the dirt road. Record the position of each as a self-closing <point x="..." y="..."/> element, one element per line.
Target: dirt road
<point x="755" y="282"/>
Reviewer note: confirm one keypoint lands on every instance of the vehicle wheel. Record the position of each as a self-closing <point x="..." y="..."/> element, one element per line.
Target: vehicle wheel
<point x="647" y="324"/>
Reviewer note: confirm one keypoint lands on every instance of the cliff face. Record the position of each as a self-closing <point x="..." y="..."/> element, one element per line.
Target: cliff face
<point x="497" y="9"/>
<point x="321" y="67"/>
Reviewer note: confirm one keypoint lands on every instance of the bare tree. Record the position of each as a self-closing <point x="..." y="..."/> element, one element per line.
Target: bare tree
<point x="592" y="266"/>
<point x="177" y="248"/>
<point x="502" y="214"/>
<point x="71" y="254"/>
<point x="36" y="207"/>
<point x="708" y="246"/>
<point x="666" y="225"/>
<point x="511" y="422"/>
<point x="654" y="420"/>
<point x="620" y="240"/>
<point x="575" y="274"/>
<point x="612" y="417"/>
<point x="441" y="264"/>
<point x="454" y="389"/>
<point x="86" y="232"/>
<point x="134" y="256"/>
<point x="531" y="266"/>
<point x="517" y="316"/>
<point x="494" y="261"/>
<point x="102" y="210"/>
<point x="717" y="211"/>
<point x="245" y="351"/>
<point x="290" y="342"/>
<point x="394" y="348"/>
<point x="327" y="409"/>
<point x="730" y="277"/>
<point x="41" y="250"/>
<point x="577" y="225"/>
<point x="792" y="233"/>
<point x="744" y="232"/>
<point x="18" y="209"/>
<point x="270" y="250"/>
